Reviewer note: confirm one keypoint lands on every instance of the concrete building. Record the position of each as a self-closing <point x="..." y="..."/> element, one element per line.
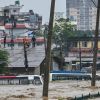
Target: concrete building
<point x="29" y="20"/>
<point x="81" y="50"/>
<point x="83" y="12"/>
<point x="58" y="15"/>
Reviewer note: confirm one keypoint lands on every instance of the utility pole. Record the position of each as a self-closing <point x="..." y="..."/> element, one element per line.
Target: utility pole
<point x="13" y="26"/>
<point x="95" y="49"/>
<point x="80" y="56"/>
<point x="45" y="33"/>
<point x="4" y="38"/>
<point x="61" y="56"/>
<point x="5" y="20"/>
<point x="12" y="41"/>
<point x="25" y="57"/>
<point x="48" y="53"/>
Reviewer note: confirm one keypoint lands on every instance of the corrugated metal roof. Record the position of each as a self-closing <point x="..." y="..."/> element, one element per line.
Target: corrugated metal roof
<point x="18" y="26"/>
<point x="35" y="56"/>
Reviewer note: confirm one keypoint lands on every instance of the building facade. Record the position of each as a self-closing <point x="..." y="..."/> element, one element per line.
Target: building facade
<point x="58" y="15"/>
<point x="30" y="19"/>
<point x="83" y="12"/>
<point x="25" y="21"/>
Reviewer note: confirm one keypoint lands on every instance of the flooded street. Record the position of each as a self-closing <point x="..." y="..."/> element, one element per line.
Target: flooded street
<point x="57" y="90"/>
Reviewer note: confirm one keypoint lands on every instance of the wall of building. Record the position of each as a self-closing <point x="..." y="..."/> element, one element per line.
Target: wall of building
<point x="83" y="11"/>
<point x="89" y="44"/>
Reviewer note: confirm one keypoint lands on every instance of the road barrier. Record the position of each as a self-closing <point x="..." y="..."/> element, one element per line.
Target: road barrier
<point x="86" y="97"/>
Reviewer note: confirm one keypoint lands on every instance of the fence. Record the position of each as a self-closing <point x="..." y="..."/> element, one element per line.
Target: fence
<point x="86" y="97"/>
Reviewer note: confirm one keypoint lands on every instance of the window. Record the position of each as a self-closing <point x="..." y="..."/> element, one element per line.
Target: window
<point x="74" y="44"/>
<point x="14" y="10"/>
<point x="84" y="44"/>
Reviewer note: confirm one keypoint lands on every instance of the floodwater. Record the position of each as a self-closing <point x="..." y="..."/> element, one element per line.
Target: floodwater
<point x="57" y="90"/>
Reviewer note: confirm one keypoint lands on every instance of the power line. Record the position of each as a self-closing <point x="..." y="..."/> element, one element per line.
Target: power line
<point x="91" y="4"/>
<point x="94" y="3"/>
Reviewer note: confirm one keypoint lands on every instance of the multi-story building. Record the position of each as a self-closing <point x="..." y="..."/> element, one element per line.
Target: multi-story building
<point x="24" y="20"/>
<point x="83" y="12"/>
<point x="58" y="15"/>
<point x="80" y="53"/>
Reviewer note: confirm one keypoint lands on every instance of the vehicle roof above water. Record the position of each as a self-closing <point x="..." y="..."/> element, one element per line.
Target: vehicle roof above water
<point x="69" y="71"/>
<point x="28" y="75"/>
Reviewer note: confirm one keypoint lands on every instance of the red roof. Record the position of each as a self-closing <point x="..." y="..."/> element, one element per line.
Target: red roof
<point x="18" y="26"/>
<point x="41" y="39"/>
<point x="20" y="40"/>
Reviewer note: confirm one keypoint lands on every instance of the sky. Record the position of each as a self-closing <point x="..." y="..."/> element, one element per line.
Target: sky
<point x="41" y="7"/>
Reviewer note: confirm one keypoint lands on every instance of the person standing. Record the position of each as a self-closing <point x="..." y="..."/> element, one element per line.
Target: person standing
<point x="26" y="41"/>
<point x="12" y="43"/>
<point x="33" y="41"/>
<point x="4" y="38"/>
<point x="4" y="41"/>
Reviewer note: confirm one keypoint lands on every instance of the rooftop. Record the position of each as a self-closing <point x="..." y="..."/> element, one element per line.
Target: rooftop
<point x="35" y="56"/>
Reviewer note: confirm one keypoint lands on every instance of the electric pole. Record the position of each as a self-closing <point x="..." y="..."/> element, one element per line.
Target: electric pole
<point x="61" y="55"/>
<point x="80" y="56"/>
<point x="13" y="26"/>
<point x="25" y="57"/>
<point x="95" y="49"/>
<point x="45" y="34"/>
<point x="48" y="52"/>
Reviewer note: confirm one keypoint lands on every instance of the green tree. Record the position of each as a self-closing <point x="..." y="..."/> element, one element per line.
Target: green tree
<point x="63" y="29"/>
<point x="3" y="61"/>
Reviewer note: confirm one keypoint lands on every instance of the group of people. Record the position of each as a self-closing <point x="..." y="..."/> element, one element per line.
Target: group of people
<point x="25" y="41"/>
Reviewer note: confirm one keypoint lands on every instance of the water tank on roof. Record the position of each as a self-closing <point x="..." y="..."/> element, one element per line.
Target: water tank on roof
<point x="17" y="2"/>
<point x="31" y="12"/>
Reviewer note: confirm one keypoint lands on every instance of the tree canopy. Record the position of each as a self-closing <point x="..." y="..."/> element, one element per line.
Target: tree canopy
<point x="64" y="27"/>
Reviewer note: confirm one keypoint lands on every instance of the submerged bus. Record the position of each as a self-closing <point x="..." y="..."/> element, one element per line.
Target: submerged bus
<point x="21" y="80"/>
<point x="33" y="79"/>
<point x="69" y="75"/>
